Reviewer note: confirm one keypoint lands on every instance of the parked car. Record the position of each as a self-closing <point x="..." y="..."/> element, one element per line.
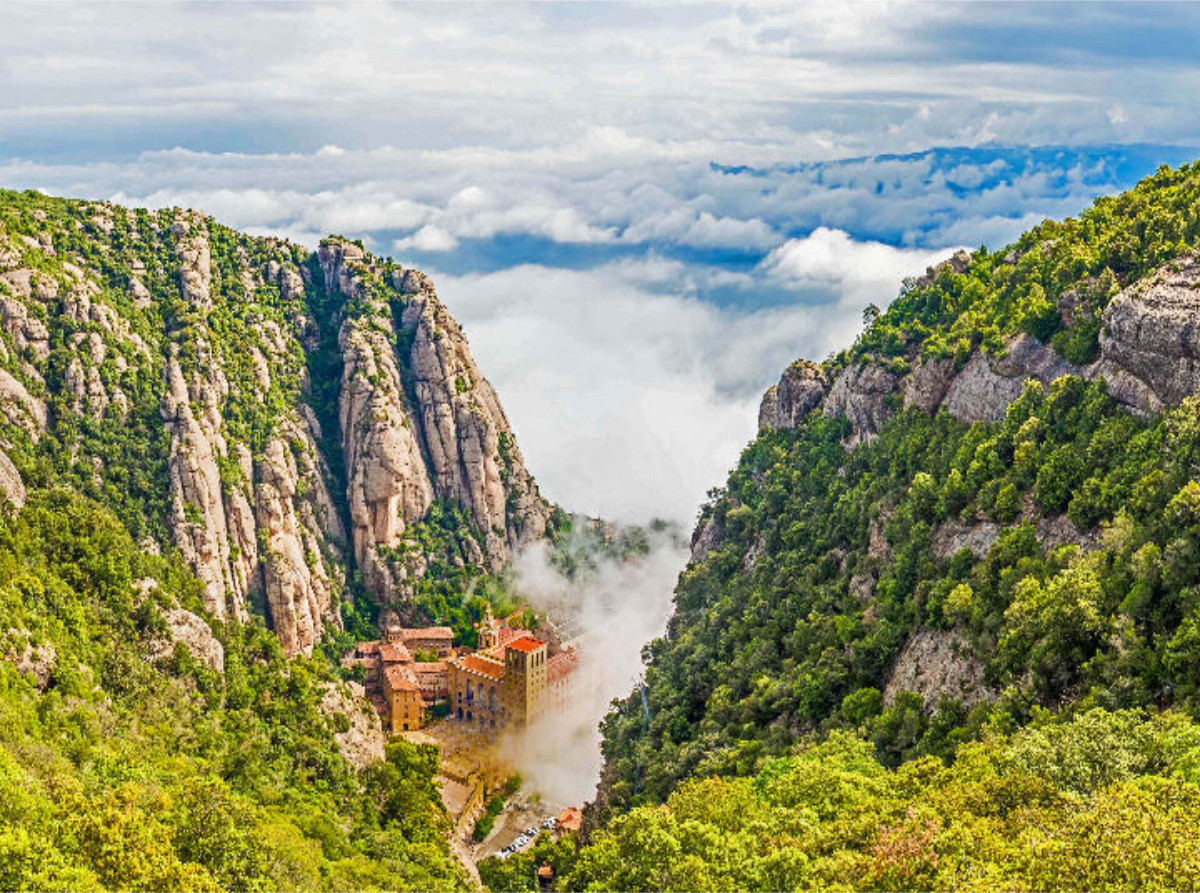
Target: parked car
<point x="549" y="823"/>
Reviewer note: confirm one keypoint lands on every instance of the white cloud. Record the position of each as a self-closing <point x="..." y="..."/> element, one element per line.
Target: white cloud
<point x="631" y="402"/>
<point x="831" y="257"/>
<point x="428" y="238"/>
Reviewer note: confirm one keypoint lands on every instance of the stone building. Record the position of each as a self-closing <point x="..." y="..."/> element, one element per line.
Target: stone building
<point x="401" y="687"/>
<point x="510" y="681"/>
<point x="406" y="706"/>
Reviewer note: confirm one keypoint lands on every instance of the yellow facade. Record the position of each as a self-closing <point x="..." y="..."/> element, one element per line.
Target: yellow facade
<point x="494" y="693"/>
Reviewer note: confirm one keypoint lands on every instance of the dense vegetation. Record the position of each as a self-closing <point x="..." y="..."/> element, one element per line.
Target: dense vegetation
<point x="1105" y="801"/>
<point x="1021" y="287"/>
<point x="118" y="772"/>
<point x="1082" y="594"/>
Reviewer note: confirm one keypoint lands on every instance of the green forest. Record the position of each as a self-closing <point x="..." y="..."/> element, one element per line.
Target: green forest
<point x="119" y="773"/>
<point x="772" y="674"/>
<point x="764" y="749"/>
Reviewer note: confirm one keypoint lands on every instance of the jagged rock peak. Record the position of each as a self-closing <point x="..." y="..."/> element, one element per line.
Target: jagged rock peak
<point x="1149" y="358"/>
<point x="191" y="347"/>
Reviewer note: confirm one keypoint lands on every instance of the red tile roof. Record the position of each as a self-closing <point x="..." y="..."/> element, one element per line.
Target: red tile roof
<point x="399" y="678"/>
<point x="394" y="654"/>
<point x="561" y="665"/>
<point x="484" y="667"/>
<point x="526" y="643"/>
<point x="427" y="632"/>
<point x="570" y="819"/>
<point x="429" y="668"/>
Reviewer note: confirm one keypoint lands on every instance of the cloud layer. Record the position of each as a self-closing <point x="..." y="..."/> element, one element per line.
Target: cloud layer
<point x="640" y="213"/>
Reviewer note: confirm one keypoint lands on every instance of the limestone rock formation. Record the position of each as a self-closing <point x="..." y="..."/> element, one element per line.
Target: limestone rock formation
<point x="938" y="664"/>
<point x="798" y="393"/>
<point x="190" y="630"/>
<point x="420" y="424"/>
<point x="359" y="733"/>
<point x="36" y="660"/>
<point x="11" y="485"/>
<point x="1150" y="342"/>
<point x="983" y="390"/>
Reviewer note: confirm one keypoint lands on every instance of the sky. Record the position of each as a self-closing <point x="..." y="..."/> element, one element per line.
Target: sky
<point x="640" y="213"/>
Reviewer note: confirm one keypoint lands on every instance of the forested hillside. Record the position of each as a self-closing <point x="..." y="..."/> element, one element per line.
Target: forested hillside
<point x="983" y="516"/>
<point x="222" y="458"/>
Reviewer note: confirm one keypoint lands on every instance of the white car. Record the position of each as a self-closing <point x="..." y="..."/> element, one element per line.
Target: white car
<point x="549" y="823"/>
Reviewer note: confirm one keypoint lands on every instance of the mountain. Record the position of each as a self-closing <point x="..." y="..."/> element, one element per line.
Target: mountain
<point x="939" y="627"/>
<point x="281" y="417"/>
<point x="222" y="458"/>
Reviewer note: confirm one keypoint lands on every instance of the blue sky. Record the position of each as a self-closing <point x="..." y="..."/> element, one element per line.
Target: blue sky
<point x="639" y="213"/>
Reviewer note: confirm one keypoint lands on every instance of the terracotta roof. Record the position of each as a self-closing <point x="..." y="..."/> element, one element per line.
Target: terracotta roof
<point x="526" y="644"/>
<point x="367" y="648"/>
<point x="506" y="633"/>
<point x="394" y="654"/>
<point x="428" y="668"/>
<point x="399" y="678"/>
<point x="483" y="666"/>
<point x="570" y="819"/>
<point x="561" y="665"/>
<point x="427" y="632"/>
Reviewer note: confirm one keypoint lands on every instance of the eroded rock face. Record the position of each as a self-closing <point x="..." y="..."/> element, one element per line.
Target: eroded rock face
<point x="37" y="660"/>
<point x="473" y="454"/>
<point x="195" y="634"/>
<point x="982" y="391"/>
<point x="798" y="393"/>
<point x="708" y="535"/>
<point x="938" y="664"/>
<point x="11" y="485"/>
<point x="265" y="527"/>
<point x="420" y="424"/>
<point x="866" y="392"/>
<point x="860" y="393"/>
<point x="362" y="742"/>
<point x="1150" y="342"/>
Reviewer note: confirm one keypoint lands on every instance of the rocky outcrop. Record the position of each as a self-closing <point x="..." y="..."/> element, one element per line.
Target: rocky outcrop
<point x="860" y="393"/>
<point x="1150" y="341"/>
<point x="420" y="424"/>
<point x="35" y="660"/>
<point x="798" y="393"/>
<point x="191" y="631"/>
<point x="982" y="391"/>
<point x="299" y="588"/>
<point x="938" y="664"/>
<point x="358" y="730"/>
<point x="708" y="535"/>
<point x="11" y="485"/>
<point x="951" y="537"/>
<point x="473" y="455"/>
<point x="866" y="393"/>
<point x="263" y="528"/>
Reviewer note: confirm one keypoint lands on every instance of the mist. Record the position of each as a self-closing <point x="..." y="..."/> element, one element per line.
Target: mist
<point x="620" y="604"/>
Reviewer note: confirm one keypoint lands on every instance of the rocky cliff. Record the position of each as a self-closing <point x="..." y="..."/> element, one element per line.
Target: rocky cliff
<point x="281" y="417"/>
<point x="1149" y="358"/>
